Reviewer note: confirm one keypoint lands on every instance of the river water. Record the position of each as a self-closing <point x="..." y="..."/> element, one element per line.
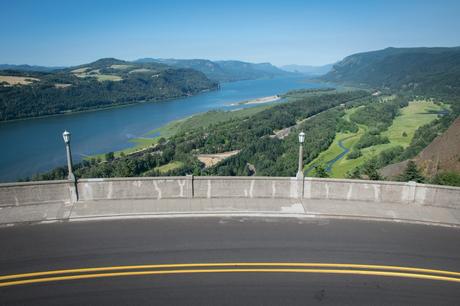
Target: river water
<point x="32" y="146"/>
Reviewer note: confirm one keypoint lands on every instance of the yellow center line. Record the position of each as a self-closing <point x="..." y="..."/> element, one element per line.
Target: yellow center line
<point x="235" y="264"/>
<point x="264" y="270"/>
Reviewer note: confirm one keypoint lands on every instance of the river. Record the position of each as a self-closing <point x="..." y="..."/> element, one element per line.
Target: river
<point x="36" y="145"/>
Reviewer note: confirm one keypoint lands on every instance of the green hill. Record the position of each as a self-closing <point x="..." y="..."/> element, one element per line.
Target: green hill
<point x="223" y="71"/>
<point x="420" y="70"/>
<point x="103" y="83"/>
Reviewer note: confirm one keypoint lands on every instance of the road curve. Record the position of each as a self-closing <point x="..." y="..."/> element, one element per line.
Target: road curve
<point x="243" y="261"/>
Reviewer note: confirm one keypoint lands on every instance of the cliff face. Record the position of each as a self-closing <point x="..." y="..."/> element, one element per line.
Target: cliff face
<point x="442" y="154"/>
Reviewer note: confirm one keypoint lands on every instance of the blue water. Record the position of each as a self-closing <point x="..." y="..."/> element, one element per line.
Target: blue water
<point x="36" y="145"/>
<point x="331" y="162"/>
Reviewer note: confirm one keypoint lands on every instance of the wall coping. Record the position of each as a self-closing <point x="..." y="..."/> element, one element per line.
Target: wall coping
<point x="239" y="178"/>
<point x="245" y="178"/>
<point x="33" y="183"/>
<point x="123" y="179"/>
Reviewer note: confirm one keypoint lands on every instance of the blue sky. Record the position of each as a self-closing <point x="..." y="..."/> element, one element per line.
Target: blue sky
<point x="71" y="32"/>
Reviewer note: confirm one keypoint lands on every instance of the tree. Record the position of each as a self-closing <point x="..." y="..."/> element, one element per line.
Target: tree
<point x="370" y="169"/>
<point x="109" y="156"/>
<point x="355" y="154"/>
<point x="321" y="171"/>
<point x="412" y="173"/>
<point x="355" y="173"/>
<point x="447" y="178"/>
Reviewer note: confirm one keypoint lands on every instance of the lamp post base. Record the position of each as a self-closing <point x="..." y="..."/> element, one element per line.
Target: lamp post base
<point x="299" y="175"/>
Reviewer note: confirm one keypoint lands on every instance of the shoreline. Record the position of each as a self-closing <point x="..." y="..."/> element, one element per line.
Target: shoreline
<point x="260" y="100"/>
<point x="104" y="108"/>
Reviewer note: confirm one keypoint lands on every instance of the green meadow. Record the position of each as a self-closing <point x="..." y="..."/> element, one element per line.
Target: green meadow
<point x="400" y="133"/>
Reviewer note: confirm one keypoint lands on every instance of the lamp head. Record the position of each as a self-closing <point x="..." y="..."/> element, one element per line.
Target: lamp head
<point x="66" y="136"/>
<point x="301" y="137"/>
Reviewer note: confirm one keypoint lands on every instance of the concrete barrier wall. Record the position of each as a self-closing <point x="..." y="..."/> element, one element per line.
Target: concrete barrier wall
<point x="31" y="193"/>
<point x="229" y="187"/>
<point x="437" y="196"/>
<point x="246" y="187"/>
<point x="382" y="191"/>
<point x="135" y="188"/>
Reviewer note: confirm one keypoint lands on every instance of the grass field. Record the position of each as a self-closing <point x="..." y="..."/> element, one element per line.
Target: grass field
<point x="16" y="80"/>
<point x="412" y="117"/>
<point x="80" y="70"/>
<point x="84" y="73"/>
<point x="107" y="77"/>
<point x="168" y="167"/>
<point x="140" y="70"/>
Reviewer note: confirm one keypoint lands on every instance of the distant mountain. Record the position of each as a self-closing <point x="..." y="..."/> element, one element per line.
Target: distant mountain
<point x="209" y="68"/>
<point x="223" y="71"/>
<point x="308" y="70"/>
<point x="103" y="83"/>
<point x="28" y="68"/>
<point x="245" y="71"/>
<point x="422" y="70"/>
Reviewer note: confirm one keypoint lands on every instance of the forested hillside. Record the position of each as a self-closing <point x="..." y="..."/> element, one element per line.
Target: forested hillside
<point x="429" y="71"/>
<point x="104" y="83"/>
<point x="29" y="68"/>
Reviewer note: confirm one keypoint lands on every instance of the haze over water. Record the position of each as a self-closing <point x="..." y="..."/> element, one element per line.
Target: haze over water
<point x="36" y="145"/>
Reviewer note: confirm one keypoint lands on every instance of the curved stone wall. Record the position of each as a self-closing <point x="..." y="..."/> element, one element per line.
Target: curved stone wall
<point x="30" y="193"/>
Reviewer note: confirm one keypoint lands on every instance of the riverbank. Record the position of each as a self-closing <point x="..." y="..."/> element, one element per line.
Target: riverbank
<point x="201" y="120"/>
<point x="261" y="100"/>
<point x="103" y="108"/>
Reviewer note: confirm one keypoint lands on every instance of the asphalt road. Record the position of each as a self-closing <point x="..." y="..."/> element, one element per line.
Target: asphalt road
<point x="46" y="247"/>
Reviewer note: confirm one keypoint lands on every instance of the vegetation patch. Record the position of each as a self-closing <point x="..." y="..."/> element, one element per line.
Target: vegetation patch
<point x="169" y="167"/>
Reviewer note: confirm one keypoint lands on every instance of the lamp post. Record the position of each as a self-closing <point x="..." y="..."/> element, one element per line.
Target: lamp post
<point x="66" y="136"/>
<point x="301" y="141"/>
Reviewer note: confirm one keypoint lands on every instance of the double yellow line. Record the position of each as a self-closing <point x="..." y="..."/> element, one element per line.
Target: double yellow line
<point x="236" y="267"/>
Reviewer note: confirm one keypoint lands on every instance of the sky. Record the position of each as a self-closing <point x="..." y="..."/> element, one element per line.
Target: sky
<point x="73" y="32"/>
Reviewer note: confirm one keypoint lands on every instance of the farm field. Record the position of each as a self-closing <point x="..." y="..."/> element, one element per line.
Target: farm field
<point x="16" y="80"/>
